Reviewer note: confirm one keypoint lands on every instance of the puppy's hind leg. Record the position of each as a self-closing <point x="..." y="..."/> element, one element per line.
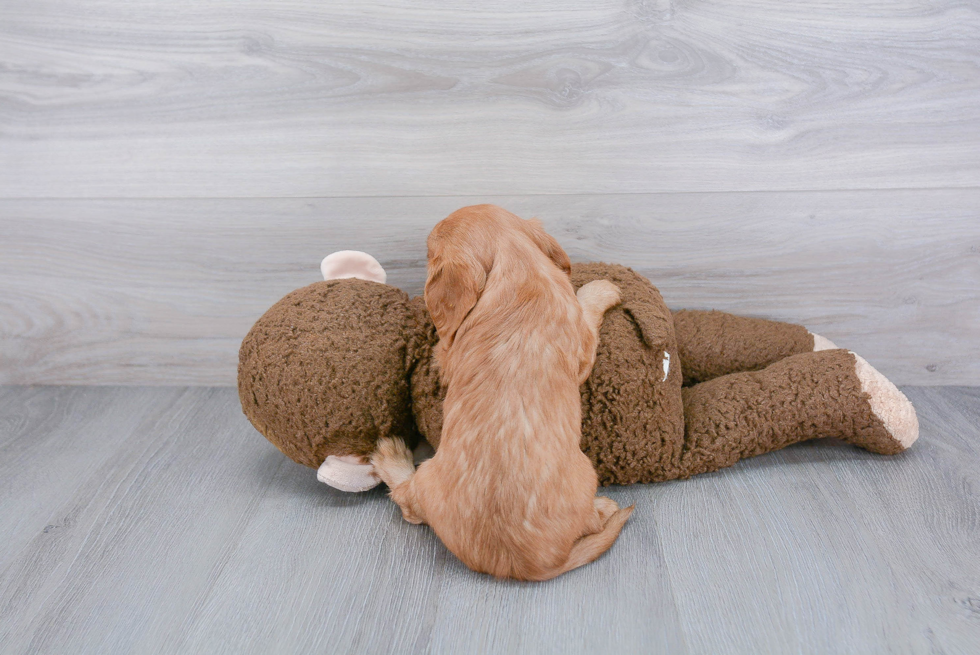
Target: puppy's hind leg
<point x="394" y="464"/>
<point x="590" y="546"/>
<point x="605" y="507"/>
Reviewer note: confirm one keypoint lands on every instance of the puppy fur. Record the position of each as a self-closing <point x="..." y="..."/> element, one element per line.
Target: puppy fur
<point x="509" y="491"/>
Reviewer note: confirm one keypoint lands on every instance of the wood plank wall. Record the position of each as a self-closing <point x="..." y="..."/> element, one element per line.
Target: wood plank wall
<point x="168" y="170"/>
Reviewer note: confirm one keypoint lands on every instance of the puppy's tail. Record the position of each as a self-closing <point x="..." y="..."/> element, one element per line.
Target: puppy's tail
<point x="590" y="547"/>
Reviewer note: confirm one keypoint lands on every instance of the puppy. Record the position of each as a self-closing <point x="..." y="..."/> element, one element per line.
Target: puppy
<point x="509" y="491"/>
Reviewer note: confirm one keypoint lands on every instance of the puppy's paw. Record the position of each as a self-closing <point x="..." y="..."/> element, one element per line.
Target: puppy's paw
<point x="391" y="449"/>
<point x="599" y="295"/>
<point x="606" y="507"/>
<point x="393" y="461"/>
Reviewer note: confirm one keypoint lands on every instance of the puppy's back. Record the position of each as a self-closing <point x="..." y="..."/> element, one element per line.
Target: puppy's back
<point x="515" y="492"/>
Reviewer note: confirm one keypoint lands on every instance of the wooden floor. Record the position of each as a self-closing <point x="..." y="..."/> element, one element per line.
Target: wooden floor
<point x="146" y="520"/>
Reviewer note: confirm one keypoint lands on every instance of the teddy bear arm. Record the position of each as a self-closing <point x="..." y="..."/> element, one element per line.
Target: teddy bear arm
<point x="832" y="393"/>
<point x="714" y="343"/>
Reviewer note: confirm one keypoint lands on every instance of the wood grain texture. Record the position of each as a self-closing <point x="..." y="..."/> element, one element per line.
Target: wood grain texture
<point x="48" y="420"/>
<point x="162" y="291"/>
<point x="142" y="535"/>
<point x="182" y="530"/>
<point x="847" y="548"/>
<point x="271" y="98"/>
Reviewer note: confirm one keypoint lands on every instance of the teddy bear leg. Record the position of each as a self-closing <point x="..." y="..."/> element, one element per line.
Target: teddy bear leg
<point x="831" y="393"/>
<point x="714" y="343"/>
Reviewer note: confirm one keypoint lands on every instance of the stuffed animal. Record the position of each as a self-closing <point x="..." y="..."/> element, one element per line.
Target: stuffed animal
<point x="334" y="366"/>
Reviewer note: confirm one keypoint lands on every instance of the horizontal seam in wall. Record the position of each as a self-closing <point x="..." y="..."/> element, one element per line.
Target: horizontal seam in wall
<point x="491" y="194"/>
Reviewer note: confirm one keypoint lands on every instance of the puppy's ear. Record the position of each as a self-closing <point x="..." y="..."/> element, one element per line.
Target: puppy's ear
<point x="451" y="291"/>
<point x="548" y="245"/>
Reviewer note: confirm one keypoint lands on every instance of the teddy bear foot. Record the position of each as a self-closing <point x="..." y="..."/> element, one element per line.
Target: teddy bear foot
<point x="822" y="343"/>
<point x="890" y="406"/>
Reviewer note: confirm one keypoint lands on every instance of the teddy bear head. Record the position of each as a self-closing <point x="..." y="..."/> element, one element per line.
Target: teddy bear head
<point x="325" y="372"/>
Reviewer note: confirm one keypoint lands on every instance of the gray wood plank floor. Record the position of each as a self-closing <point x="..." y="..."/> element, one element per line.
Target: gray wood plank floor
<point x="156" y="520"/>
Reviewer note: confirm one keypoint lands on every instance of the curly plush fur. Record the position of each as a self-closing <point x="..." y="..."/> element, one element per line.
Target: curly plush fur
<point x="336" y="366"/>
<point x="315" y="382"/>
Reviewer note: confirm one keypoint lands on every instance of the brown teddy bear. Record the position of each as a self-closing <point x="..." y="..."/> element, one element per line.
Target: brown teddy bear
<point x="334" y="366"/>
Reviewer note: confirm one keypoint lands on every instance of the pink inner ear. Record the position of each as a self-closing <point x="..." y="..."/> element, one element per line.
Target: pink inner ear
<point x="352" y="263"/>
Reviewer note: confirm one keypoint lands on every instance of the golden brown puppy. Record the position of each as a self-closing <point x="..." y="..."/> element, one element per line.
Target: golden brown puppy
<point x="509" y="491"/>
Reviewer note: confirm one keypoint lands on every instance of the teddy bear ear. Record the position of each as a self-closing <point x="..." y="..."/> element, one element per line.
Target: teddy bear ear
<point x="352" y="263"/>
